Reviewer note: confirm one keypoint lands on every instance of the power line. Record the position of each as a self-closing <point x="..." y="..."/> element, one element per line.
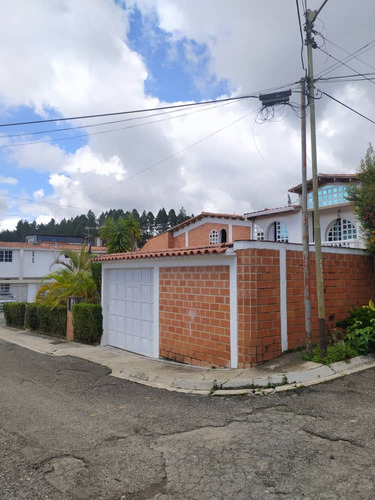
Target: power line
<point x="99" y="115"/>
<point x="136" y="173"/>
<point x="58" y="139"/>
<point x="361" y="51"/>
<point x="346" y="106"/>
<point x="342" y="62"/>
<point x="253" y="95"/>
<point x="300" y="30"/>
<point x="172" y="155"/>
<point x="339" y="77"/>
<point x="347" y="52"/>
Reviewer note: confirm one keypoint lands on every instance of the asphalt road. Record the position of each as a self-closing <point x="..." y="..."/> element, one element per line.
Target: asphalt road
<point x="68" y="430"/>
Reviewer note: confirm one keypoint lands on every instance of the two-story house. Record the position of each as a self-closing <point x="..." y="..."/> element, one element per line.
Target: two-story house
<point x="22" y="265"/>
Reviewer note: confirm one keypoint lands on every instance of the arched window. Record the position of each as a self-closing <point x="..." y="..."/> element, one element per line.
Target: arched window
<point x="258" y="232"/>
<point x="340" y="230"/>
<point x="281" y="232"/>
<point x="214" y="237"/>
<point x="223" y="235"/>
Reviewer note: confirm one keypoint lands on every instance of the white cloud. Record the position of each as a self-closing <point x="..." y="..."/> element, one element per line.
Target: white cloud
<point x="8" y="223"/>
<point x="72" y="57"/>
<point x="8" y="180"/>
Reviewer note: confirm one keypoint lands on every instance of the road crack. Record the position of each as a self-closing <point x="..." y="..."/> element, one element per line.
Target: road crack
<point x="332" y="439"/>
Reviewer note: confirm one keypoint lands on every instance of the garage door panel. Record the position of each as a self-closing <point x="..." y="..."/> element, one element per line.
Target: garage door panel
<point x="130" y="309"/>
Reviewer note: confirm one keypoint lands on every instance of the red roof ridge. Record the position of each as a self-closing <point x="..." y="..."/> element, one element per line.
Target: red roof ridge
<point x="170" y="252"/>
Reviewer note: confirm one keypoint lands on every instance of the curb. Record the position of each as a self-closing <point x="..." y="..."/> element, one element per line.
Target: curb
<point x="261" y="386"/>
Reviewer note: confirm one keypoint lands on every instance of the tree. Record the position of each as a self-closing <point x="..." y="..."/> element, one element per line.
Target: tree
<point x="362" y="194"/>
<point x="73" y="278"/>
<point x="172" y="218"/>
<point x="161" y="221"/>
<point x="122" y="235"/>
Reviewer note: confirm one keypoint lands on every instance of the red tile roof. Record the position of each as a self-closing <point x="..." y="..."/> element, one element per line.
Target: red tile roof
<point x="202" y="215"/>
<point x="47" y="246"/>
<point x="325" y="179"/>
<point x="172" y="252"/>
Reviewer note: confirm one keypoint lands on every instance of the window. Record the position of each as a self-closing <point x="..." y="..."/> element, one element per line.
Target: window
<point x="342" y="229"/>
<point x="4" y="288"/>
<point x="281" y="231"/>
<point x="223" y="236"/>
<point x="6" y="255"/>
<point x="329" y="195"/>
<point x="258" y="232"/>
<point x="214" y="237"/>
<point x="32" y="257"/>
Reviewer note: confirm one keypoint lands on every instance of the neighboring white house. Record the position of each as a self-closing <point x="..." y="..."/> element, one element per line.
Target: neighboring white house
<point x="338" y="222"/>
<point x="22" y="265"/>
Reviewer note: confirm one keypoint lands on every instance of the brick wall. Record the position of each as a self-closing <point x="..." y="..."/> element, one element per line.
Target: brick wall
<point x="240" y="233"/>
<point x="194" y="316"/>
<point x="348" y="281"/>
<point x="160" y="242"/>
<point x="258" y="297"/>
<point x="179" y="241"/>
<point x="199" y="236"/>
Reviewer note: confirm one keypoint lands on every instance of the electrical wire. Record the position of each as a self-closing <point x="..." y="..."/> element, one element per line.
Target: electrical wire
<point x="58" y="139"/>
<point x="335" y="58"/>
<point x="348" y="107"/>
<point x="359" y="51"/>
<point x="346" y="51"/>
<point x="136" y="173"/>
<point x="300" y="30"/>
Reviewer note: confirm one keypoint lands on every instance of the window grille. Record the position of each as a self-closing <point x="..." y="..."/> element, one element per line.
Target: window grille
<point x="258" y="232"/>
<point x="341" y="230"/>
<point x="6" y="255"/>
<point x="281" y="232"/>
<point x="329" y="195"/>
<point x="214" y="237"/>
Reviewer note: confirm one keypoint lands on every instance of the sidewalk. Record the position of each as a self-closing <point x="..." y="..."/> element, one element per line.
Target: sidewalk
<point x="284" y="373"/>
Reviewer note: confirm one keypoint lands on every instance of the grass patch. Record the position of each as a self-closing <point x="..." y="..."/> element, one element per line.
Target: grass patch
<point x="335" y="352"/>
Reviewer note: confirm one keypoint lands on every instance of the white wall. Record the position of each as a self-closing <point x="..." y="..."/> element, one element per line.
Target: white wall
<point x="11" y="269"/>
<point x="43" y="259"/>
<point x="292" y="220"/>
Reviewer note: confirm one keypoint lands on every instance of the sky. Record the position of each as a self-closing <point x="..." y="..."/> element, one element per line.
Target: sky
<point x="65" y="58"/>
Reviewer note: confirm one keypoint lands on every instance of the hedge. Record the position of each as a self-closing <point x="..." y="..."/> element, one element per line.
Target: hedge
<point x="14" y="313"/>
<point x="47" y="320"/>
<point x="88" y="323"/>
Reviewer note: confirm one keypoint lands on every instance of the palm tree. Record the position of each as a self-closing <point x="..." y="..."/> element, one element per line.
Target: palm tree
<point x="121" y="234"/>
<point x="73" y="278"/>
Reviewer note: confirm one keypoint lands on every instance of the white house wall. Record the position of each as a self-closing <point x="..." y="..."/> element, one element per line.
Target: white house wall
<point x="292" y="220"/>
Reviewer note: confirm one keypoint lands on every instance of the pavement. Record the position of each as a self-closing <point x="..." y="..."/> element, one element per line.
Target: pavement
<point x="71" y="431"/>
<point x="284" y="373"/>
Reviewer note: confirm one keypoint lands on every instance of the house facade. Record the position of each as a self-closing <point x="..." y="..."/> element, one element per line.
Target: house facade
<point x="227" y="290"/>
<point x="22" y="265"/>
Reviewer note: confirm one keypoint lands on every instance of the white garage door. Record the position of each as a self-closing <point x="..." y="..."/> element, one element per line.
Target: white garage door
<point x="131" y="310"/>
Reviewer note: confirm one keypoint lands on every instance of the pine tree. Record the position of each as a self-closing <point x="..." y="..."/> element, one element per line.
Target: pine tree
<point x="172" y="218"/>
<point x="161" y="221"/>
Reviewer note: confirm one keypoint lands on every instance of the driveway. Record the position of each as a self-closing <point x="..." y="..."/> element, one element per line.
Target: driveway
<point x="68" y="430"/>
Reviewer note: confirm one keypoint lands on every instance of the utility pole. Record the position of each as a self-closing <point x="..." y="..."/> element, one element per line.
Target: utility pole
<point x="305" y="224"/>
<point x="311" y="16"/>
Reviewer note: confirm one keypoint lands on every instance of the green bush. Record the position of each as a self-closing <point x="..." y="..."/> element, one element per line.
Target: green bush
<point x="361" y="336"/>
<point x="364" y="314"/>
<point x="88" y="323"/>
<point x="335" y="352"/>
<point x="47" y="320"/>
<point x="14" y="313"/>
<point x="96" y="271"/>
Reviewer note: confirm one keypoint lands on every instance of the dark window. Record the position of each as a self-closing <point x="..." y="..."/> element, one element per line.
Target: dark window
<point x="223" y="236"/>
<point x="6" y="255"/>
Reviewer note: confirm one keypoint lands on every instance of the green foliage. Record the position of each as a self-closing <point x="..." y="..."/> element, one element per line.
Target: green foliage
<point x="121" y="235"/>
<point x="45" y="319"/>
<point x="96" y="271"/>
<point x="336" y="352"/>
<point x="14" y="313"/>
<point x="361" y="336"/>
<point x="74" y="278"/>
<point x="88" y="323"/>
<point x="363" y="196"/>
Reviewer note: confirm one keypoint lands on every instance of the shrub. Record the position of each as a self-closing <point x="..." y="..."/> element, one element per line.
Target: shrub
<point x="361" y="336"/>
<point x="14" y="313"/>
<point x="45" y="319"/>
<point x="335" y="352"/>
<point x="96" y="271"/>
<point x="88" y="323"/>
<point x="364" y="314"/>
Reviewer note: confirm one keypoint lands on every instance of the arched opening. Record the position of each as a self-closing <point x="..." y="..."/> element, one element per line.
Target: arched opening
<point x="223" y="235"/>
<point x="341" y="230"/>
<point x="278" y="231"/>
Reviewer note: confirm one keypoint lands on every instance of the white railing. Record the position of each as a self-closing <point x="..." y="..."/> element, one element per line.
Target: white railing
<point x="353" y="243"/>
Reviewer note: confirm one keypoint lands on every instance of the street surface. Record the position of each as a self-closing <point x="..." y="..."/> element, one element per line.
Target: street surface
<point x="68" y="430"/>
